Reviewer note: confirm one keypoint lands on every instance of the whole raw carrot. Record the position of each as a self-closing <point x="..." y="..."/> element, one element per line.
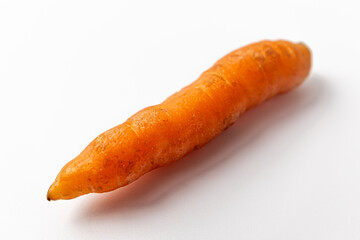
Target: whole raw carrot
<point x="160" y="134"/>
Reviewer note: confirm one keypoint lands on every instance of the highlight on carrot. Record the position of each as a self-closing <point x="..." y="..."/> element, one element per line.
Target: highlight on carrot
<point x="185" y="121"/>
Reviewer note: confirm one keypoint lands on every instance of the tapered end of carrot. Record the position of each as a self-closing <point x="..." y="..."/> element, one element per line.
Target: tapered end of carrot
<point x="66" y="184"/>
<point x="76" y="178"/>
<point x="61" y="190"/>
<point x="52" y="194"/>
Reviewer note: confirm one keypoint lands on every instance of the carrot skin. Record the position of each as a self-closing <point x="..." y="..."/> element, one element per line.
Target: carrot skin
<point x="187" y="120"/>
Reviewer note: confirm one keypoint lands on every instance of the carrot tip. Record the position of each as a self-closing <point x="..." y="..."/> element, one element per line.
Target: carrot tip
<point x="48" y="195"/>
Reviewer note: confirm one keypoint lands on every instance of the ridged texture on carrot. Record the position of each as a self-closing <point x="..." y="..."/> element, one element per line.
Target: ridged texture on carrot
<point x="158" y="135"/>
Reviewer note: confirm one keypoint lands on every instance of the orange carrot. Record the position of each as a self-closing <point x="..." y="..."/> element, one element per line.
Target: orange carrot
<point x="160" y="134"/>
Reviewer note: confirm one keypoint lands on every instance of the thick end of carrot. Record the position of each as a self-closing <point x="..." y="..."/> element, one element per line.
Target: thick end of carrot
<point x="307" y="56"/>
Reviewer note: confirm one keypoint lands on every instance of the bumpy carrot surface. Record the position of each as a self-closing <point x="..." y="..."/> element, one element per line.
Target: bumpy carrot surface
<point x="158" y="135"/>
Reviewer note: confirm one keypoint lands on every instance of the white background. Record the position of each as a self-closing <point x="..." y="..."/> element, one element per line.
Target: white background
<point x="69" y="70"/>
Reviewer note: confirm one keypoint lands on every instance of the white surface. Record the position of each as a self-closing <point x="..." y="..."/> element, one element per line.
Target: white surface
<point x="289" y="169"/>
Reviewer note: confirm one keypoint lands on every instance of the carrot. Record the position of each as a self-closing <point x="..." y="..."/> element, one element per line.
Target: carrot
<point x="160" y="134"/>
